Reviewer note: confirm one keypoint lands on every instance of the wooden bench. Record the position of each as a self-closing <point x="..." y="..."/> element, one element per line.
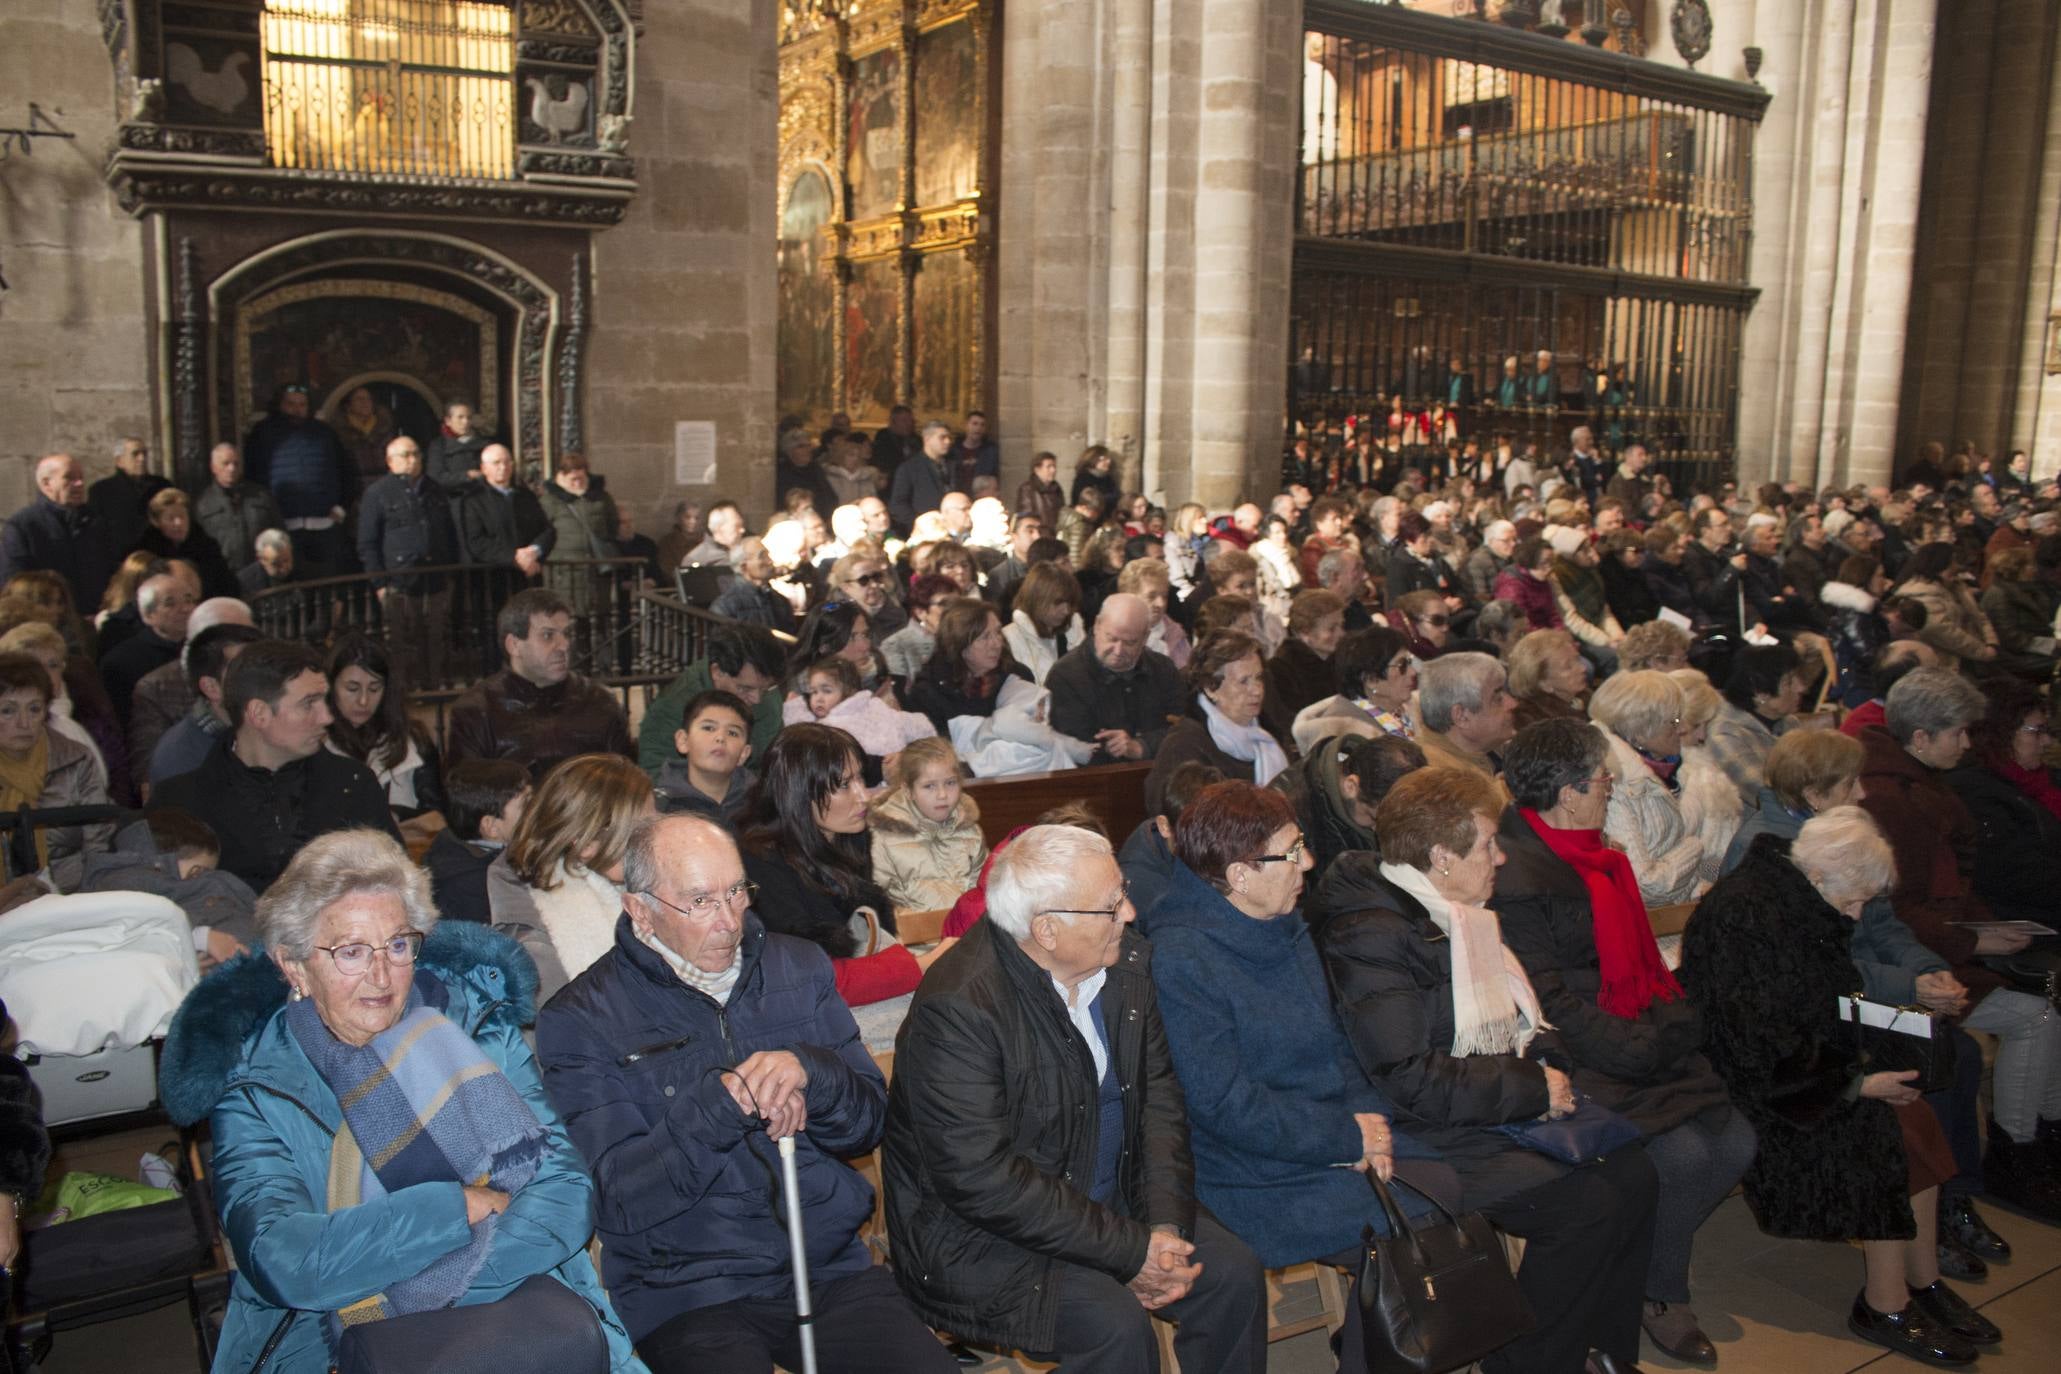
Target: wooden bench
<point x="1116" y="793"/>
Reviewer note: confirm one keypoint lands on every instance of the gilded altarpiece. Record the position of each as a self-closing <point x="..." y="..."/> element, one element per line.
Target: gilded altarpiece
<point x="886" y="208"/>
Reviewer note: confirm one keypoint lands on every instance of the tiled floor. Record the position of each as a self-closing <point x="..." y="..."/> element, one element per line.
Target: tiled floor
<point x="1773" y="1307"/>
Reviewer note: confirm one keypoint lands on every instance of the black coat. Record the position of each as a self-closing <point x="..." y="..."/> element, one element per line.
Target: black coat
<point x="72" y="542"/>
<point x="1296" y="678"/>
<point x="810" y="478"/>
<point x="754" y="606"/>
<point x="1407" y="573"/>
<point x="919" y="487"/>
<point x="1767" y="959"/>
<point x="263" y="817"/>
<point x="1391" y="973"/>
<point x="1668" y="585"/>
<point x="1087" y="697"/>
<point x="217" y="578"/>
<point x="491" y="526"/>
<point x="991" y="1140"/>
<point x="790" y="904"/>
<point x="1188" y="741"/>
<point x="1650" y="1068"/>
<point x="936" y="693"/>
<point x="451" y="458"/>
<point x="123" y="504"/>
<point x="2017" y="866"/>
<point x="1625" y="590"/>
<point x="1715" y="582"/>
<point x="402" y="525"/>
<point x="458" y="878"/>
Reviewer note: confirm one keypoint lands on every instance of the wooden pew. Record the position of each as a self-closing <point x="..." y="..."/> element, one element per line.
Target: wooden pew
<point x="1116" y="793"/>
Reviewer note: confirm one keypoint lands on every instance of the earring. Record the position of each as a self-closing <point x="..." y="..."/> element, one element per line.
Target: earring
<point x="297" y="994"/>
<point x="1445" y="873"/>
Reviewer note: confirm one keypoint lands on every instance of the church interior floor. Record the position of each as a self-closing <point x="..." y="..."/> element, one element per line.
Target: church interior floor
<point x="1772" y="1306"/>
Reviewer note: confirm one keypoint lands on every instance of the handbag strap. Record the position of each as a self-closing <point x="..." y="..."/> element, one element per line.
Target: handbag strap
<point x="1399" y="1226"/>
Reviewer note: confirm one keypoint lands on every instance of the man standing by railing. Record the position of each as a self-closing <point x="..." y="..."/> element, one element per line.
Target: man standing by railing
<point x="501" y="523"/>
<point x="403" y="523"/>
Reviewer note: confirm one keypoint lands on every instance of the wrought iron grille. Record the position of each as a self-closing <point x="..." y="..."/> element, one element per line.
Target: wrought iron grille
<point x="410" y="87"/>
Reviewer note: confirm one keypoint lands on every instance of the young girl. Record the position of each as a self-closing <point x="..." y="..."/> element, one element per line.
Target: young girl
<point x="927" y="845"/>
<point x="830" y="693"/>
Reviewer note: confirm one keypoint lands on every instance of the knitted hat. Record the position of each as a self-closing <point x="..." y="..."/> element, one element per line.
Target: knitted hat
<point x="1566" y="541"/>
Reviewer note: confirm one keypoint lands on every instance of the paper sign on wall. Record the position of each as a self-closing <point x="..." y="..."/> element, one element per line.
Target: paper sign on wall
<point x="694" y="453"/>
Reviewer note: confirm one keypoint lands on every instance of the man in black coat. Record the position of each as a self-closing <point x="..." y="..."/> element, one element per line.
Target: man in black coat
<point x="1714" y="566"/>
<point x="750" y="596"/>
<point x="798" y="469"/>
<point x="272" y="787"/>
<point x="896" y="442"/>
<point x="920" y="484"/>
<point x="164" y="602"/>
<point x="501" y="522"/>
<point x="404" y="523"/>
<point x="232" y="511"/>
<point x="58" y="532"/>
<point x="122" y="498"/>
<point x="1113" y="691"/>
<point x="1040" y="1190"/>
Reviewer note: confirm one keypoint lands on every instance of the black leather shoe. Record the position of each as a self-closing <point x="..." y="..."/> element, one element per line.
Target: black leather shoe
<point x="1952" y="1311"/>
<point x="1600" y="1363"/>
<point x="1673" y="1328"/>
<point x="1960" y="1223"/>
<point x="1910" y="1332"/>
<point x="2021" y="1177"/>
<point x="1956" y="1263"/>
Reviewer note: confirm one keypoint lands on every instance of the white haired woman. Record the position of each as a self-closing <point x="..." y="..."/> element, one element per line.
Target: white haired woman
<point x="383" y="1145"/>
<point x="1710" y="804"/>
<point x="1845" y="1154"/>
<point x="1641" y="716"/>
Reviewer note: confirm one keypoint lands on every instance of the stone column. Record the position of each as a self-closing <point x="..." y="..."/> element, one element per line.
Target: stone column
<point x="2036" y="423"/>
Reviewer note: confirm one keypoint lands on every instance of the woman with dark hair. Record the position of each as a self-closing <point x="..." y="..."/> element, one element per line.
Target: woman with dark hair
<point x="806" y="848"/>
<point x="1852" y="601"/>
<point x="1102" y="562"/>
<point x="1763" y="690"/>
<point x="1094" y="468"/>
<point x="1043" y="623"/>
<point x="909" y="648"/>
<point x="371" y="725"/>
<point x="172" y="534"/>
<point x="1377" y="677"/>
<point x="1572" y="914"/>
<point x="1954" y="624"/>
<point x="1225" y="683"/>
<point x="1304" y="670"/>
<point x="836" y="629"/>
<point x="1335" y="787"/>
<point x="2020" y="605"/>
<point x="1528" y="584"/>
<point x="968" y="666"/>
<point x="2007" y="787"/>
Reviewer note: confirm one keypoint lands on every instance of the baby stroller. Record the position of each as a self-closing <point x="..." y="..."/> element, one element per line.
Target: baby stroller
<point x="92" y="981"/>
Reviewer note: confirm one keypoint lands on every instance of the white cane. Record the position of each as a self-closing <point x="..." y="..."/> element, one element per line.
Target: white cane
<point x="790" y="1185"/>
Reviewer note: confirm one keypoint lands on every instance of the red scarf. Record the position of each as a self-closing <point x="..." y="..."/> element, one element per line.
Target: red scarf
<point x="1633" y="973"/>
<point x="2036" y="783"/>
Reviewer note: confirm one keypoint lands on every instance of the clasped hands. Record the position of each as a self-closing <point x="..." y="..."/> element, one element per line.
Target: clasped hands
<point x="1167" y="1274"/>
<point x="771" y="1084"/>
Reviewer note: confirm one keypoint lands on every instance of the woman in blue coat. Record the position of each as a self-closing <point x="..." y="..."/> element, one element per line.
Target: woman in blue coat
<point x="447" y="1181"/>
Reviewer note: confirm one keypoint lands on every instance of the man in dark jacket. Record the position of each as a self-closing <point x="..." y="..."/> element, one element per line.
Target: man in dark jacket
<point x="58" y="532"/>
<point x="896" y="442"/>
<point x="1713" y="566"/>
<point x="164" y="603"/>
<point x="272" y="787"/>
<point x="501" y="522"/>
<point x="678" y="1060"/>
<point x="1113" y="691"/>
<point x="750" y="597"/>
<point x="311" y="476"/>
<point x="122" y="498"/>
<point x="404" y="523"/>
<point x="799" y="469"/>
<point x="1040" y="1192"/>
<point x="537" y="710"/>
<point x="975" y="455"/>
<point x="920" y="484"/>
<point x="231" y="511"/>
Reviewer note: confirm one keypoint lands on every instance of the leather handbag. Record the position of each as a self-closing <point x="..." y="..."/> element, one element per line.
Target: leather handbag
<point x="1584" y="1136"/>
<point x="543" y="1327"/>
<point x="1436" y="1298"/>
<point x="1897" y="1039"/>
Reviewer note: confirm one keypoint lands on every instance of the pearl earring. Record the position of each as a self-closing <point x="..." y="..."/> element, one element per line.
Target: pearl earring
<point x="1445" y="873"/>
<point x="298" y="994"/>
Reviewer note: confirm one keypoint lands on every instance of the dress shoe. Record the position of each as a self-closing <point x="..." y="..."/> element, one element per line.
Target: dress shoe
<point x="2021" y="1176"/>
<point x="1672" y="1327"/>
<point x="1952" y="1311"/>
<point x="1910" y="1332"/>
<point x="1600" y="1363"/>
<point x="1964" y="1226"/>
<point x="1956" y="1263"/>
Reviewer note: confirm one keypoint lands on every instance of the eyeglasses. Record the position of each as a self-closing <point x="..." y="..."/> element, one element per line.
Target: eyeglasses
<point x="1123" y="897"/>
<point x="1435" y="620"/>
<point x="703" y="907"/>
<point x="1294" y="854"/>
<point x="1603" y="777"/>
<point x="2035" y="730"/>
<point x="356" y="958"/>
<point x="871" y="579"/>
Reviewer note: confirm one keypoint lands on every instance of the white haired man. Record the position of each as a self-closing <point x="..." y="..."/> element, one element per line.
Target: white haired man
<point x="1040" y="1192"/>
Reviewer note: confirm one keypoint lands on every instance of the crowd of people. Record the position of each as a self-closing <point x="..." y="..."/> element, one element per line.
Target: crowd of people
<point x="1421" y="751"/>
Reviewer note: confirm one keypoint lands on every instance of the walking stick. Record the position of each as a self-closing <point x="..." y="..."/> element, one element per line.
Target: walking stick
<point x="790" y="1186"/>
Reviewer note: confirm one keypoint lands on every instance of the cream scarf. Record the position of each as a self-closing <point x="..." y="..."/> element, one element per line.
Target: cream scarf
<point x="579" y="915"/>
<point x="1495" y="1010"/>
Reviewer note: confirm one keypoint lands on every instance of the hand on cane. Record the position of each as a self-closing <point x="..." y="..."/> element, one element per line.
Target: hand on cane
<point x="771" y="1084"/>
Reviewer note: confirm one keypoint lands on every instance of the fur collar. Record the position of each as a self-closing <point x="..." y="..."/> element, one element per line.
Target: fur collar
<point x="1846" y="597"/>
<point x="209" y="1035"/>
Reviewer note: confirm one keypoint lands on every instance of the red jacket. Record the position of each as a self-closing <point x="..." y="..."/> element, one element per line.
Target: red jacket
<point x="1862" y="716"/>
<point x="1533" y="597"/>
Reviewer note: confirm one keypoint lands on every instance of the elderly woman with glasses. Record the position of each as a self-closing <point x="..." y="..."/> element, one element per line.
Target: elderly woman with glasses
<point x="864" y="576"/>
<point x="1845" y="1154"/>
<point x="1641" y="718"/>
<point x="1377" y="682"/>
<point x="1442" y="1016"/>
<point x="1572" y="913"/>
<point x="383" y="1145"/>
<point x="1226" y="685"/>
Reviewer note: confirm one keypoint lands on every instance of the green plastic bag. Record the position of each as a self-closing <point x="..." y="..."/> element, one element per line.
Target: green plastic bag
<point x="79" y="1195"/>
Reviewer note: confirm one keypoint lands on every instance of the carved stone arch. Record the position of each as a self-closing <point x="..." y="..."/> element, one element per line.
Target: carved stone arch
<point x="533" y="306"/>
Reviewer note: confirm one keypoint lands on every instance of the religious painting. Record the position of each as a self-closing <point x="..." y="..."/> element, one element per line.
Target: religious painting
<point x="873" y="134"/>
<point x="808" y="300"/>
<point x="948" y="116"/>
<point x="872" y="311"/>
<point x="945" y="330"/>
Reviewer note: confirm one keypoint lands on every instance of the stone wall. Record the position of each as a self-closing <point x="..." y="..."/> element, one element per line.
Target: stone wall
<point x="72" y="321"/>
<point x="683" y="311"/>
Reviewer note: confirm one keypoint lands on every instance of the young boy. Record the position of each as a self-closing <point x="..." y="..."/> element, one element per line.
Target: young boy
<point x="709" y="777"/>
<point x="173" y="854"/>
<point x="483" y="800"/>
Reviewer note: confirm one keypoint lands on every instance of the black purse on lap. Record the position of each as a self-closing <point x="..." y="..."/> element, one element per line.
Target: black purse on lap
<point x="1897" y="1039"/>
<point x="543" y="1327"/>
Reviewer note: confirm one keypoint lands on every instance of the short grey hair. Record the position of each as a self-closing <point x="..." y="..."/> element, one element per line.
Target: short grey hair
<point x="1037" y="871"/>
<point x="152" y="589"/>
<point x="1498" y="528"/>
<point x="931" y="426"/>
<point x="1934" y="700"/>
<point x="642" y="870"/>
<point x="343" y="863"/>
<point x="1498" y="620"/>
<point x="1638" y="706"/>
<point x="1452" y="680"/>
<point x="1844" y="854"/>
<point x="741" y="550"/>
<point x="273" y="539"/>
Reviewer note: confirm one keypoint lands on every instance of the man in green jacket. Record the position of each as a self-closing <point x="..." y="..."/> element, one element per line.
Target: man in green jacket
<point x="743" y="660"/>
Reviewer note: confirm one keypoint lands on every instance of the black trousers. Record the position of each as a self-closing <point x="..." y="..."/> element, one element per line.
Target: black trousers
<point x="1588" y="1236"/>
<point x="1219" y="1328"/>
<point x="863" y="1326"/>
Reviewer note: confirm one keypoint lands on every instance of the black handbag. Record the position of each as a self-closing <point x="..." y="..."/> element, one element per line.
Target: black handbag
<point x="543" y="1327"/>
<point x="1898" y="1039"/>
<point x="1436" y="1298"/>
<point x="1585" y="1135"/>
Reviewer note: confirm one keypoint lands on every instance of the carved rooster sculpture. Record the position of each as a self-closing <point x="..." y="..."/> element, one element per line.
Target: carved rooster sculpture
<point x="557" y="115"/>
<point x="223" y="89"/>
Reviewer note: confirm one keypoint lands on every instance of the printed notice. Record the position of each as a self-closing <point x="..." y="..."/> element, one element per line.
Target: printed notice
<point x="694" y="453"/>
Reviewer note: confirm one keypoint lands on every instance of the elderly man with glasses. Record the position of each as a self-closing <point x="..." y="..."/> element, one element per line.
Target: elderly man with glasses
<point x="1040" y="1191"/>
<point x="678" y="1060"/>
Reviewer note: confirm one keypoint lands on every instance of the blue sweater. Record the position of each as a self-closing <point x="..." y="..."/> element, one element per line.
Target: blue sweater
<point x="1270" y="1079"/>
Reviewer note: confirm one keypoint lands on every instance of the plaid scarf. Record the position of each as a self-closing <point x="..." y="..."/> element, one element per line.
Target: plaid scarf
<point x="477" y="1131"/>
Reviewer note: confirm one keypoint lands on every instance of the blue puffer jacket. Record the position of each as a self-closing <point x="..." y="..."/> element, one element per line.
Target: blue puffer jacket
<point x="230" y="1057"/>
<point x="1270" y="1078"/>
<point x="689" y="1188"/>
